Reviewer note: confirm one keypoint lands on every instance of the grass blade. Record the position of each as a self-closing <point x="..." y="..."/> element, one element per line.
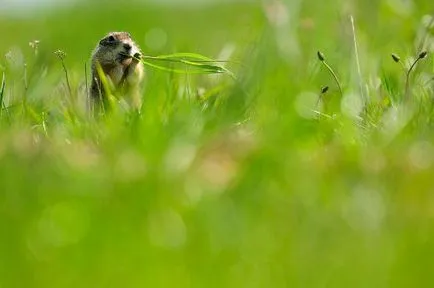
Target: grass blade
<point x="204" y="69"/>
<point x="200" y="63"/>
<point x="183" y="55"/>
<point x="2" y="90"/>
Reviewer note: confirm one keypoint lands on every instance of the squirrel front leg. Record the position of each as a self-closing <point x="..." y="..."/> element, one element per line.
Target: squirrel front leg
<point x="132" y="76"/>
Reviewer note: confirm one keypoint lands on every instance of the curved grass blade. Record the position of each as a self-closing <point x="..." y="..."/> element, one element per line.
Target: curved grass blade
<point x="183" y="55"/>
<point x="179" y="57"/>
<point x="204" y="70"/>
<point x="201" y="64"/>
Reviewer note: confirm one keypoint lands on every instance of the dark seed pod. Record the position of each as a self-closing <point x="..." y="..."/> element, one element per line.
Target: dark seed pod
<point x="320" y="56"/>
<point x="423" y="54"/>
<point x="324" y="89"/>
<point x="396" y="58"/>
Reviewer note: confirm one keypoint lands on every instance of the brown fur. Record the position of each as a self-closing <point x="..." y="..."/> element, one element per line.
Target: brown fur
<point x="116" y="53"/>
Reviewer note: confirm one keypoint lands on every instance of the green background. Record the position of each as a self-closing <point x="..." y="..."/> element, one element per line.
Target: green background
<point x="221" y="182"/>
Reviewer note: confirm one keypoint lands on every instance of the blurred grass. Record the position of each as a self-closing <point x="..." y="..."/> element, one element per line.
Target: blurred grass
<point x="221" y="183"/>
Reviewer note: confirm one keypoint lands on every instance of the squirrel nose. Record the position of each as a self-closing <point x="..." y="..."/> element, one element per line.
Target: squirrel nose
<point x="127" y="46"/>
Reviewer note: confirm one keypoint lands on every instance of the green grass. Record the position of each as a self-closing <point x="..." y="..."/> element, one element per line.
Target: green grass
<point x="263" y="179"/>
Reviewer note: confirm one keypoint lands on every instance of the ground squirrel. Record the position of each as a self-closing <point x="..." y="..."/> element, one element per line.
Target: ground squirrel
<point x="118" y="56"/>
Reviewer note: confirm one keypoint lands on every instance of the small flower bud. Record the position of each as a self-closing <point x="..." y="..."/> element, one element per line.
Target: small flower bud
<point x="60" y="54"/>
<point x="34" y="44"/>
<point x="320" y="56"/>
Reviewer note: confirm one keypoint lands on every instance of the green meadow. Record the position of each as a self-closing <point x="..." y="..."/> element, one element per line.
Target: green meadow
<point x="305" y="160"/>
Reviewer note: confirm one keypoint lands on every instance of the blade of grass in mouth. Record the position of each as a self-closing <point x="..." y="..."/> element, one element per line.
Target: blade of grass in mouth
<point x="200" y="63"/>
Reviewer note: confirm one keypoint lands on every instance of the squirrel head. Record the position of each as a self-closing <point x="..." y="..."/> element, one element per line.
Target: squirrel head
<point x="117" y="47"/>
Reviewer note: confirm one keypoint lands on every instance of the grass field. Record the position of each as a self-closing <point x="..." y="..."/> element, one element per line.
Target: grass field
<point x="278" y="177"/>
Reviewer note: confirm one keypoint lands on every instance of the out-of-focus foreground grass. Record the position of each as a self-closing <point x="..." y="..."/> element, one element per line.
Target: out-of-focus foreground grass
<point x="252" y="182"/>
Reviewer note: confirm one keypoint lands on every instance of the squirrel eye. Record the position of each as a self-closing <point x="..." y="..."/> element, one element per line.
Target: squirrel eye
<point x="107" y="41"/>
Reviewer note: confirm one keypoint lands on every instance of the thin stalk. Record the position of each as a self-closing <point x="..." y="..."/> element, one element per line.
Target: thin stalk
<point x="61" y="55"/>
<point x="329" y="68"/>
<point x="356" y="52"/>
<point x="421" y="56"/>
<point x="87" y="86"/>
<point x="26" y="88"/>
<point x="67" y="77"/>
<point x="26" y="84"/>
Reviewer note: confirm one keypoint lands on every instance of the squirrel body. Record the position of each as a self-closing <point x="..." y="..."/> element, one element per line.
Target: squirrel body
<point x="118" y="56"/>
